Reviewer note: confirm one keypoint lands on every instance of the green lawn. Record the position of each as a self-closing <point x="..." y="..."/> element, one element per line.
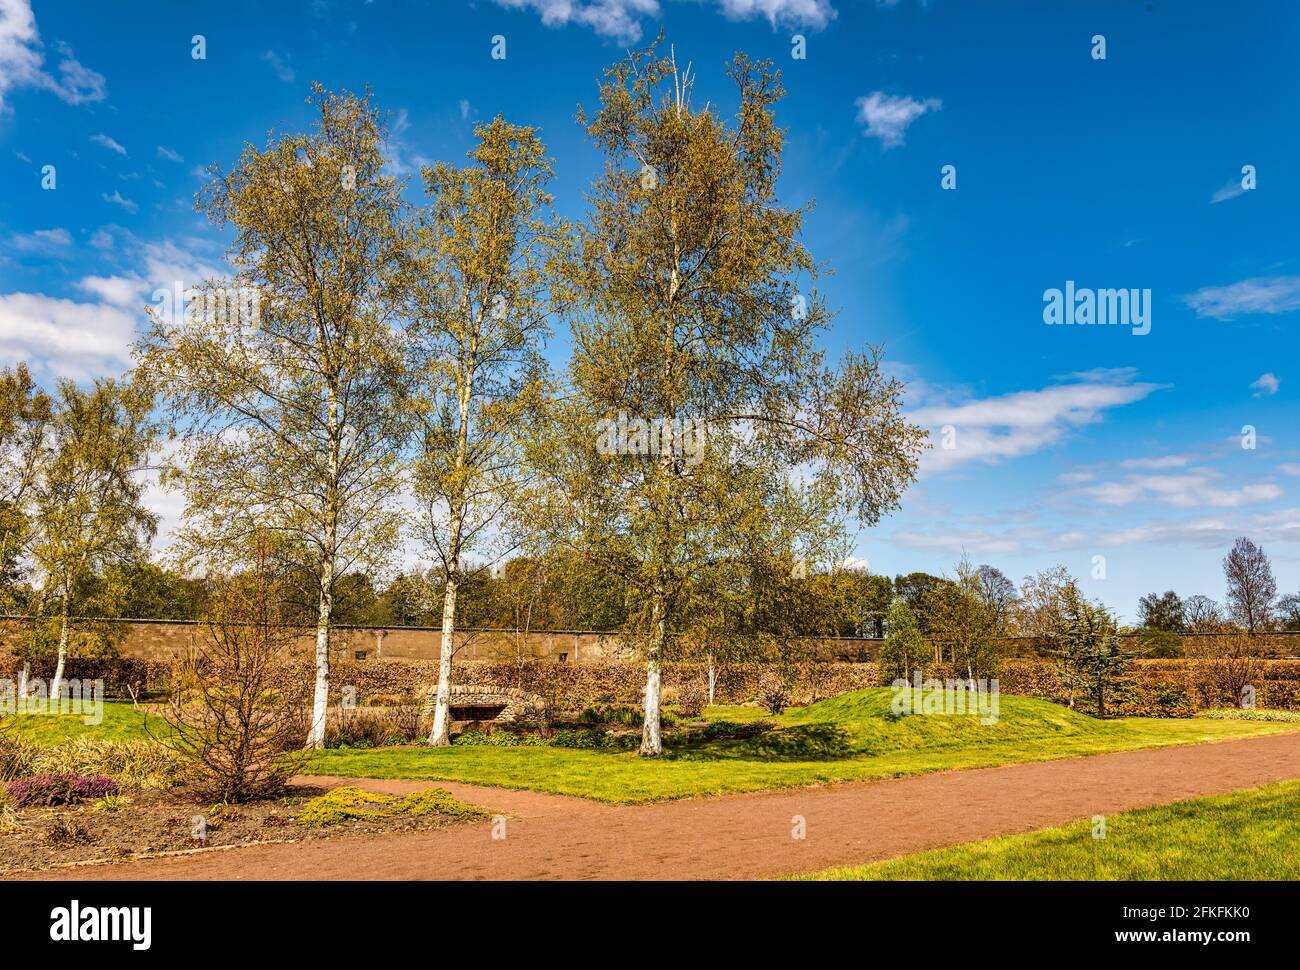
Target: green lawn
<point x="845" y="738"/>
<point x="121" y="723"/>
<point x="1245" y="835"/>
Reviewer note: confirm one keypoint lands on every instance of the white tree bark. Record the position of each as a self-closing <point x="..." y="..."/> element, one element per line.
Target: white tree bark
<point x="440" y="734"/>
<point x="713" y="679"/>
<point x="57" y="682"/>
<point x="321" y="696"/>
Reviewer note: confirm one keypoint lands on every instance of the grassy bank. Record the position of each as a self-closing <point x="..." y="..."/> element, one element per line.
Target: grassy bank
<point x="1245" y="835"/>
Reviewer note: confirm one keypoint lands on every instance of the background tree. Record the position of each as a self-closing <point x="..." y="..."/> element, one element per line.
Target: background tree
<point x="87" y="506"/>
<point x="997" y="593"/>
<point x="286" y="420"/>
<point x="478" y="324"/>
<point x="1163" y="612"/>
<point x="1037" y="612"/>
<point x="1251" y="586"/>
<point x="1288" y="612"/>
<point x="904" y="649"/>
<point x="687" y="315"/>
<point x="1202" y="614"/>
<point x="25" y="412"/>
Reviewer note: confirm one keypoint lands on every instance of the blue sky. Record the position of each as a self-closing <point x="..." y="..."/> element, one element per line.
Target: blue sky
<point x="1124" y="172"/>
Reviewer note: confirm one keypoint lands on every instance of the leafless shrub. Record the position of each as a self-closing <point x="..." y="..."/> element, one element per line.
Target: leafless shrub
<point x="1225" y="665"/>
<point x="237" y="714"/>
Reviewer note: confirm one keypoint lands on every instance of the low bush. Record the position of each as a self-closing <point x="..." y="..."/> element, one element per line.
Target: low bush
<point x="692" y="697"/>
<point x="772" y="693"/>
<point x="64" y="789"/>
<point x="498" y="739"/>
<point x="351" y="804"/>
<point x="371" y="729"/>
<point x="591" y="739"/>
<point x="68" y="831"/>
<point x="18" y="757"/>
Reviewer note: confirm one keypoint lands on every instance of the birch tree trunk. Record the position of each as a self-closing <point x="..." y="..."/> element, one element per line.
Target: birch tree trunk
<point x="713" y="679"/>
<point x="440" y="734"/>
<point x="57" y="682"/>
<point x="321" y="696"/>
<point x="651" y="737"/>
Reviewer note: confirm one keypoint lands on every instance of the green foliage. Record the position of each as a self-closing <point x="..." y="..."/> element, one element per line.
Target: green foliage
<point x="904" y="649"/>
<point x="498" y="739"/>
<point x="351" y="804"/>
<point x="1159" y="643"/>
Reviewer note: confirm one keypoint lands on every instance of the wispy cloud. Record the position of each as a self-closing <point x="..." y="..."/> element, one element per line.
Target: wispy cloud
<point x="620" y="20"/>
<point x="281" y="68"/>
<point x="1266" y="385"/>
<point x="1260" y="294"/>
<point x="1012" y="425"/>
<point x="22" y="60"/>
<point x="1231" y="190"/>
<point x="171" y="156"/>
<point x="120" y="200"/>
<point x="41" y="241"/>
<point x="104" y="141"/>
<point x="887" y="117"/>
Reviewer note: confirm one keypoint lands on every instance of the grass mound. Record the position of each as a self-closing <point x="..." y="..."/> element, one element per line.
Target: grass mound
<point x="863" y="723"/>
<point x="349" y="803"/>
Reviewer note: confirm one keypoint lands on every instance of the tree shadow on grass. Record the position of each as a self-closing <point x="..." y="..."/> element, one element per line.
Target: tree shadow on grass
<point x="806" y="742"/>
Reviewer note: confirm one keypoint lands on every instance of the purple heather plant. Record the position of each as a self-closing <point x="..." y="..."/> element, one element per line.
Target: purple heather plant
<point x="63" y="789"/>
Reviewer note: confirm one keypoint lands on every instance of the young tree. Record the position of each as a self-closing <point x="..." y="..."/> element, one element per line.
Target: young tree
<point x="478" y="323"/>
<point x="1163" y="612"/>
<point x="87" y="507"/>
<point x="904" y="649"/>
<point x="697" y="384"/>
<point x="1087" y="645"/>
<point x="1251" y="586"/>
<point x="960" y="619"/>
<point x="285" y="411"/>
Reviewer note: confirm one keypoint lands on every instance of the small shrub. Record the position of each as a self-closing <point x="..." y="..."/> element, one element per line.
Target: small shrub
<point x="111" y="803"/>
<point x="373" y="729"/>
<point x="65" y="789"/>
<point x="351" y="804"/>
<point x="772" y="693"/>
<point x="498" y="739"/>
<point x="590" y="739"/>
<point x="66" y="832"/>
<point x="691" y="699"/>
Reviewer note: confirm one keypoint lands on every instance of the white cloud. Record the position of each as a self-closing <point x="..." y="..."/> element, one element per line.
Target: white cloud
<point x="22" y="60"/>
<point x="887" y="117"/>
<point x="282" y="70"/>
<point x="1200" y="488"/>
<point x="169" y="154"/>
<point x="1262" y="294"/>
<point x="42" y="241"/>
<point x="64" y="337"/>
<point x="620" y="20"/>
<point x="117" y="198"/>
<point x="1012" y="425"/>
<point x="464" y="109"/>
<point x="1289" y="468"/>
<point x="1266" y="385"/>
<point x="1231" y="190"/>
<point x="107" y="142"/>
<point x="1158" y="462"/>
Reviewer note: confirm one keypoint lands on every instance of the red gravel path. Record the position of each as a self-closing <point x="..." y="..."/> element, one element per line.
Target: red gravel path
<point x="743" y="836"/>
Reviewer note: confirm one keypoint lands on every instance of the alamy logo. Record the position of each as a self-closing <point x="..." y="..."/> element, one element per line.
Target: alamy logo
<point x="72" y="924"/>
<point x="1083" y="306"/>
<point x="652" y="437"/>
